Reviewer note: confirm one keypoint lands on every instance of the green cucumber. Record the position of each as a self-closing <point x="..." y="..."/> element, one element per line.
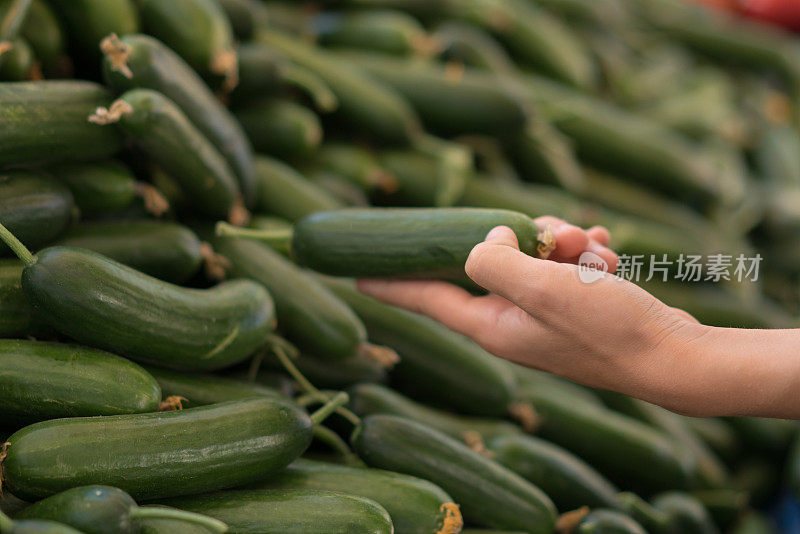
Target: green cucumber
<point x="344" y="190"/>
<point x="47" y="121"/>
<point x="41" y="381"/>
<point x="724" y="506"/>
<point x="107" y="510"/>
<point x="603" y="521"/>
<point x="18" y="63"/>
<point x="34" y="526"/>
<point x="623" y="449"/>
<point x="309" y="314"/>
<point x="416" y="506"/>
<point x="464" y="43"/>
<point x="198" y="31"/>
<point x="554" y="385"/>
<point x="142" y="61"/>
<point x="407" y="243"/>
<point x="241" y="442"/>
<point x="43" y="31"/>
<point x="717" y="434"/>
<point x="17" y="318"/>
<point x="35" y="208"/>
<point x="355" y="164"/>
<point x="280" y="127"/>
<point x="151" y="525"/>
<point x="285" y="192"/>
<point x="88" y="21"/>
<point x="9" y="504"/>
<point x="290" y="512"/>
<point x="370" y="399"/>
<point x="488" y="493"/>
<point x="164" y="250"/>
<point x="245" y="16"/>
<point x="276" y="224"/>
<point x="388" y="32"/>
<point x="144" y="318"/>
<point x="337" y="373"/>
<point x="435" y="362"/>
<point x="652" y="519"/>
<point x="364" y="104"/>
<point x="168" y="137"/>
<point x="465" y="102"/>
<point x="687" y="515"/>
<point x="566" y="479"/>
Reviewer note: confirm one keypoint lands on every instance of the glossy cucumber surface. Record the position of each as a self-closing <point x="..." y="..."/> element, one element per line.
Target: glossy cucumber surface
<point x="281" y="128"/>
<point x="98" y="187"/>
<point x="155" y="455"/>
<point x="17" y="318"/>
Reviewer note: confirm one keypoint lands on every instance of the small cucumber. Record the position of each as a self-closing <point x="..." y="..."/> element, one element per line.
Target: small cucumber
<point x="245" y="16"/>
<point x="370" y="399"/>
<point x="435" y="362"/>
<point x="142" y="61"/>
<point x="488" y="493"/>
<point x="355" y="164"/>
<point x="88" y="21"/>
<point x="17" y="318"/>
<point x="144" y="318"/>
<point x="566" y="479"/>
<point x="107" y="510"/>
<point x="464" y="43"/>
<point x="308" y="313"/>
<point x="199" y="31"/>
<point x="164" y="250"/>
<point x="47" y="121"/>
<point x="603" y="521"/>
<point x="384" y="31"/>
<point x="290" y="512"/>
<point x="43" y="30"/>
<point x="416" y="506"/>
<point x="281" y="128"/>
<point x="166" y="135"/>
<point x="41" y="381"/>
<point x="242" y="442"/>
<point x="285" y="192"/>
<point x="344" y="190"/>
<point x="687" y="514"/>
<point x="204" y="389"/>
<point x="407" y="243"/>
<point x="35" y="208"/>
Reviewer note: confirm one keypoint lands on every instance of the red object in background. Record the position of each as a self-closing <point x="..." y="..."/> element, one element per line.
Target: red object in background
<point x="784" y="13"/>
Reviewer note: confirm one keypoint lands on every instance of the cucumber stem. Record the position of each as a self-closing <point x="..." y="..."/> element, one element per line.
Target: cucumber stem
<point x="16" y="246"/>
<point x="329" y="407"/>
<point x="5" y="522"/>
<point x="335" y="442"/>
<point x="213" y="525"/>
<point x="320" y="93"/>
<point x="274" y="238"/>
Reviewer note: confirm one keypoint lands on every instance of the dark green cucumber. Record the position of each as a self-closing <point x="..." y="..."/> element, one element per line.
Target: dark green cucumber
<point x="337" y="373"/>
<point x="435" y="362"/>
<point x="33" y="526"/>
<point x="603" y="521"/>
<point x="143" y="61"/>
<point x="241" y="442"/>
<point x="88" y="21"/>
<point x="717" y="434"/>
<point x="344" y="190"/>
<point x="152" y="525"/>
<point x="623" y="449"/>
<point x="103" y="303"/>
<point x="168" y="137"/>
<point x="488" y="493"/>
<point x="17" y="318"/>
<point x="280" y="127"/>
<point x="9" y="504"/>
<point x="465" y="102"/>
<point x="464" y="43"/>
<point x="765" y="435"/>
<point x="364" y="104"/>
<point x="407" y="243"/>
<point x="370" y="399"/>
<point x="416" y="506"/>
<point x="204" y="389"/>
<point x="165" y="250"/>
<point x="641" y="511"/>
<point x="35" y="208"/>
<point x="725" y="506"/>
<point x="41" y="381"/>
<point x="308" y="313"/>
<point x="290" y="512"/>
<point x="18" y="63"/>
<point x="43" y="30"/>
<point x="566" y="479"/>
<point x="47" y="121"/>
<point x="355" y="164"/>
<point x="687" y="515"/>
<point x="554" y="385"/>
<point x="285" y="192"/>
<point x="388" y="32"/>
<point x="107" y="510"/>
<point x="245" y="16"/>
<point x="199" y="31"/>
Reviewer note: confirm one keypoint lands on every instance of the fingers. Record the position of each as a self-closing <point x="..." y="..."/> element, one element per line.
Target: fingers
<point x="599" y="234"/>
<point x="572" y="241"/>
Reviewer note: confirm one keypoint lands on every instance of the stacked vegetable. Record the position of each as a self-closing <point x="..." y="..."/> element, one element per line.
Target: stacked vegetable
<point x="169" y="171"/>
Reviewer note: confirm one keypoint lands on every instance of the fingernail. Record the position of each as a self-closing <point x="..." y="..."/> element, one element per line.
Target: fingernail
<point x="494" y="232"/>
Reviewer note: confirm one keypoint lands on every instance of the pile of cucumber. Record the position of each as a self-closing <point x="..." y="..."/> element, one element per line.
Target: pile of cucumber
<point x="188" y="187"/>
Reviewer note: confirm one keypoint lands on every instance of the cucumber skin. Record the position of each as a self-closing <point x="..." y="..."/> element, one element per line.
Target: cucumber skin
<point x="202" y="390"/>
<point x="603" y="521"/>
<point x="686" y="513"/>
<point x="290" y="512"/>
<point x="414" y="504"/>
<point x="401" y="242"/>
<point x="34" y="208"/>
<point x="105" y="304"/>
<point x="281" y="128"/>
<point x="98" y="187"/>
<point x="488" y="493"/>
<point x="35" y="526"/>
<point x="17" y="318"/>
<point x="165" y="134"/>
<point x="92" y="509"/>
<point x="151" y="525"/>
<point x="155" y="66"/>
<point x="242" y="441"/>
<point x="308" y="313"/>
<point x="567" y="480"/>
<point x="41" y="381"/>
<point x="46" y="121"/>
<point x="89" y="21"/>
<point x="165" y="250"/>
<point x="434" y="361"/>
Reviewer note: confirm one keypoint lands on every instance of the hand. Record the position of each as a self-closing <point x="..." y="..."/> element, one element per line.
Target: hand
<point x="609" y="334"/>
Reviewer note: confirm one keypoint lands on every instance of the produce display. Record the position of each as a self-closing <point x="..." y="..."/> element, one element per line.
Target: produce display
<point x="189" y="187"/>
